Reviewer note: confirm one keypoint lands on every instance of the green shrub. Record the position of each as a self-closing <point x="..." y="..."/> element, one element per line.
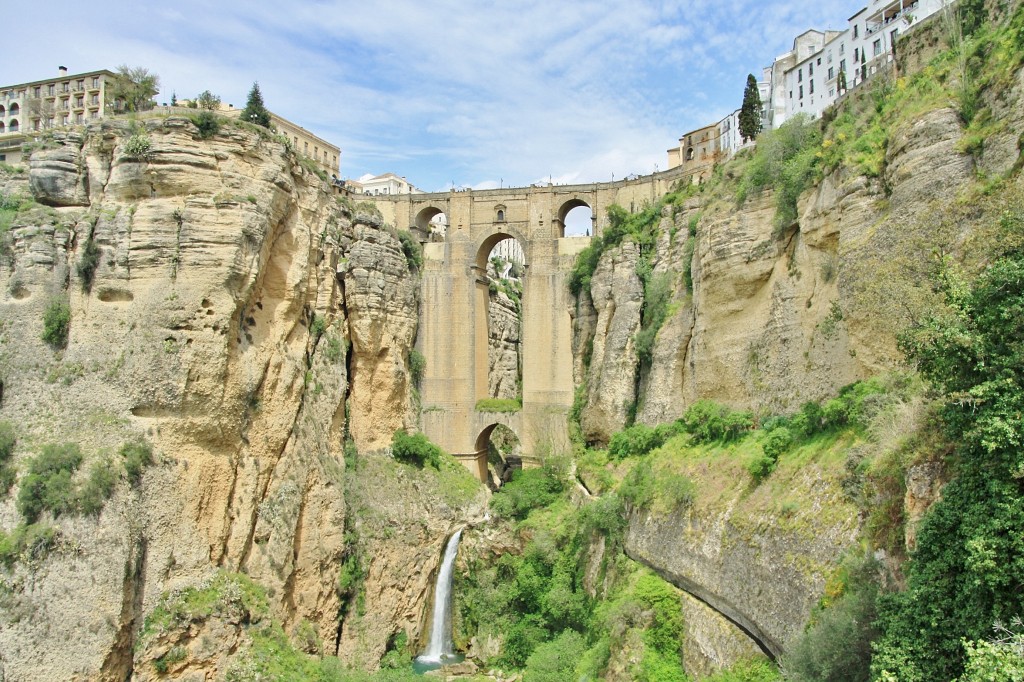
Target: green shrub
<point x="88" y="263"/>
<point x="708" y="421"/>
<point x="657" y="293"/>
<point x="412" y="249"/>
<point x="57" y="323"/>
<point x="32" y="541"/>
<point x="637" y="488"/>
<point x="837" y="643"/>
<point x="777" y="441"/>
<point x="335" y="349"/>
<point x="318" y="326"/>
<point x="47" y="486"/>
<point x="98" y="488"/>
<point x="785" y="159"/>
<point x="417" y="365"/>
<point x="137" y="456"/>
<point x="555" y="661"/>
<point x="8" y="440"/>
<point x="138" y="146"/>
<point x="640" y="439"/>
<point x="208" y="124"/>
<point x="761" y="467"/>
<point x="529" y="489"/>
<point x="415" y="449"/>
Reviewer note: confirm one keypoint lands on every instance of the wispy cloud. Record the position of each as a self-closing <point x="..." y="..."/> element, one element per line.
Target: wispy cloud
<point x="443" y="91"/>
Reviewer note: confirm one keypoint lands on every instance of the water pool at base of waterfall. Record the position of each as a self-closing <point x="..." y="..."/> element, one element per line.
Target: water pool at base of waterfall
<point x="421" y="667"/>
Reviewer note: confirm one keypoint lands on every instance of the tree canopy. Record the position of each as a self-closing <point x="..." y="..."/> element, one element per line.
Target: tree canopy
<point x="208" y="101"/>
<point x="750" y="111"/>
<point x="135" y="87"/>
<point x="255" y="111"/>
<point x="968" y="571"/>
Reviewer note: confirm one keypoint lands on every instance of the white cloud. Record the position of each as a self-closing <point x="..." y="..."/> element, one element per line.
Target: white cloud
<point x="447" y="91"/>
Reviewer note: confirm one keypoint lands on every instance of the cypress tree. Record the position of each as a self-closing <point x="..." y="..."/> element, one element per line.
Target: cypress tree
<point x="750" y="112"/>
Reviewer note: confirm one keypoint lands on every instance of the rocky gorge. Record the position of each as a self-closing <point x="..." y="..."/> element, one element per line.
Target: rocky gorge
<point x="252" y="326"/>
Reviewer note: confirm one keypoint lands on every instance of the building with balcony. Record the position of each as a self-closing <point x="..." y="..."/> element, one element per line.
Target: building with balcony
<point x="847" y="58"/>
<point x="67" y="99"/>
<point x="29" y="108"/>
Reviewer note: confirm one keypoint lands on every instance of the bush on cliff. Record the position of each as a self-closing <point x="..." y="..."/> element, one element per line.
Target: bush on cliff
<point x="415" y="449"/>
<point x="708" y="421"/>
<point x="57" y="323"/>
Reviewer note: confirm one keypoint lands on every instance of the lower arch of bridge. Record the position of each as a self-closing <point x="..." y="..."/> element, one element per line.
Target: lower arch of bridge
<point x="500" y="472"/>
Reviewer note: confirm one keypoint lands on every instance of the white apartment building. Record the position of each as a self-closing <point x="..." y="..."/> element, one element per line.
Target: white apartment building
<point x="813" y="82"/>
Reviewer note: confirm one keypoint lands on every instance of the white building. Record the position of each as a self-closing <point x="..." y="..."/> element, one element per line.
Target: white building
<point x="813" y="82"/>
<point x="388" y="183"/>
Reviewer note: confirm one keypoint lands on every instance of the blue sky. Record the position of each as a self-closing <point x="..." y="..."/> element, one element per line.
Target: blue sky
<point x="472" y="93"/>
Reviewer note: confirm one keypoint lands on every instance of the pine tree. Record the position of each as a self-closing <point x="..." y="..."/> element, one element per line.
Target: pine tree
<point x="254" y="111"/>
<point x="750" y="112"/>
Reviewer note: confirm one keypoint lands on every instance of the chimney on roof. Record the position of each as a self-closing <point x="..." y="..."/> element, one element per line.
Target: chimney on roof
<point x="63" y="70"/>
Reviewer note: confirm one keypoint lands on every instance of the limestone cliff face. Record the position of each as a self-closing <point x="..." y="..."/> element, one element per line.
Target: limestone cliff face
<point x="616" y="296"/>
<point x="235" y="309"/>
<point x="772" y="320"/>
<point x="503" y="330"/>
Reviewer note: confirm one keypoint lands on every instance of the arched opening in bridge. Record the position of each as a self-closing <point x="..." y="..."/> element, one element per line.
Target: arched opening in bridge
<point x="504" y="453"/>
<point x="432" y="222"/>
<point x="501" y="271"/>
<point x="576" y="219"/>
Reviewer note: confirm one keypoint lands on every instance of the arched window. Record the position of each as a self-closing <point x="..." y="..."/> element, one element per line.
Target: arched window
<point x="689" y="154"/>
<point x="2" y="130"/>
<point x="3" y="112"/>
<point x="13" y="128"/>
<point x="501" y="216"/>
<point x="14" y="109"/>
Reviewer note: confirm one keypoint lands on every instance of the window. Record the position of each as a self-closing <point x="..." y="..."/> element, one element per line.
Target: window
<point x="829" y="60"/>
<point x="79" y="118"/>
<point x="81" y="84"/>
<point x="95" y="82"/>
<point x="49" y="89"/>
<point x="65" y="87"/>
<point x="856" y="54"/>
<point x="38" y="91"/>
<point x="501" y="216"/>
<point x="831" y="92"/>
<point x="812" y="88"/>
<point x="801" y="93"/>
<point x="831" y="72"/>
<point x="842" y="65"/>
<point x="64" y="119"/>
<point x="876" y="47"/>
<point x="810" y="69"/>
<point x="819" y="61"/>
<point x="855" y="30"/>
<point x="791" y="94"/>
<point x="842" y="48"/>
<point x="800" y="76"/>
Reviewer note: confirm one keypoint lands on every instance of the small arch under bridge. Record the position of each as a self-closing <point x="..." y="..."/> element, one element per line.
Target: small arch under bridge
<point x="453" y="335"/>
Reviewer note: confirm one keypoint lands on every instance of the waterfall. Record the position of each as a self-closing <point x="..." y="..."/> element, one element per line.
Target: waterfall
<point x="440" y="646"/>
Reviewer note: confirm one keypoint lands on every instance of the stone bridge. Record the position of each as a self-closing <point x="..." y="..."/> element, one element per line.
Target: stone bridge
<point x="453" y="335"/>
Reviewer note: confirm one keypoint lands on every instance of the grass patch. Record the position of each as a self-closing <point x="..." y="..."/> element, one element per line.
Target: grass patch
<point x="505" y="405"/>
